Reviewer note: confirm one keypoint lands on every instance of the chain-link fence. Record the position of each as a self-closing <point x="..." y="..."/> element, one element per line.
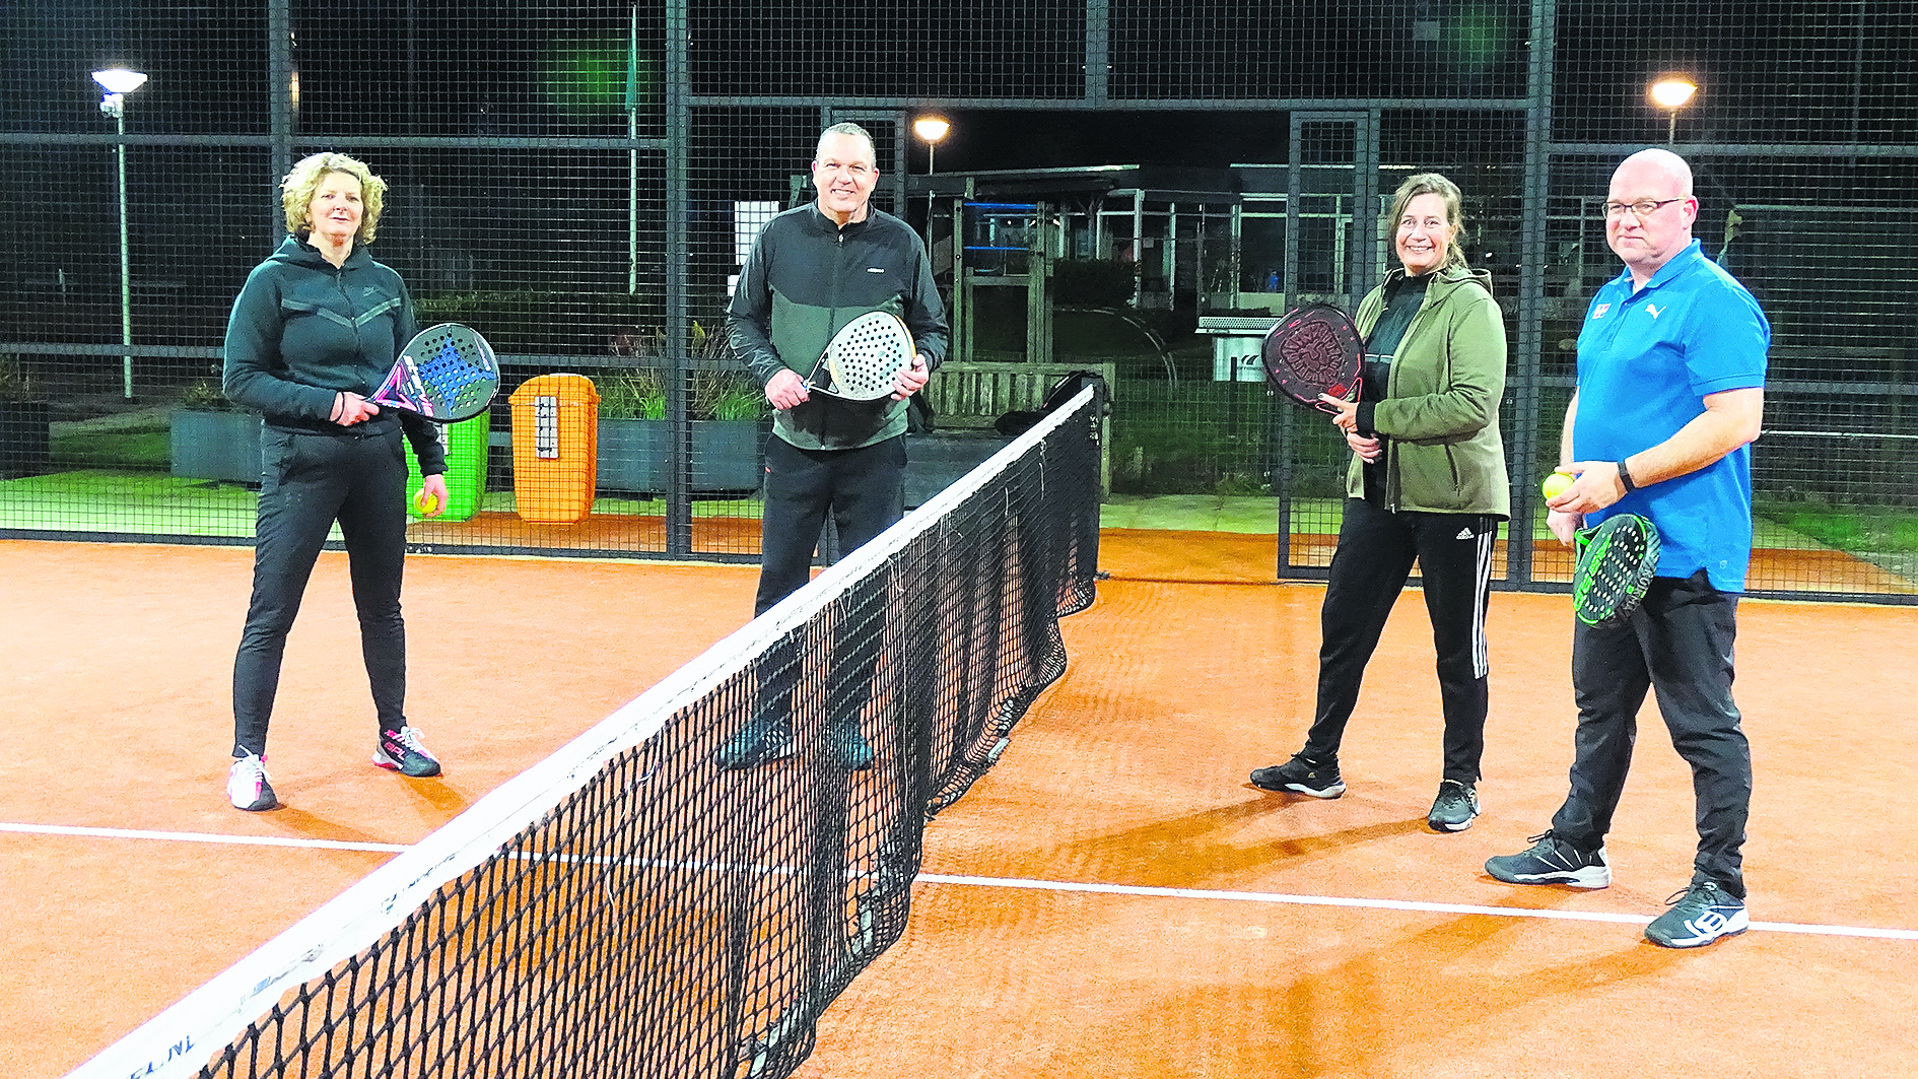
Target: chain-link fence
<point x="1135" y="187"/>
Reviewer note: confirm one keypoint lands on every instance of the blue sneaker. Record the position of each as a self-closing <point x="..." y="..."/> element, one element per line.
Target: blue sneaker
<point x="851" y="747"/>
<point x="1700" y="914"/>
<point x="1552" y="861"/>
<point x="763" y="740"/>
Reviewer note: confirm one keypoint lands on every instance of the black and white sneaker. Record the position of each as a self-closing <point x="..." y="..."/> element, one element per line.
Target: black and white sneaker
<point x="1300" y="775"/>
<point x="1455" y="807"/>
<point x="1700" y="914"/>
<point x="402" y="752"/>
<point x="1552" y="861"/>
<point x="247" y="786"/>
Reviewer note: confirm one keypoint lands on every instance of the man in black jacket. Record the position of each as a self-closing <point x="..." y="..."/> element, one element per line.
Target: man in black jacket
<point x="812" y="270"/>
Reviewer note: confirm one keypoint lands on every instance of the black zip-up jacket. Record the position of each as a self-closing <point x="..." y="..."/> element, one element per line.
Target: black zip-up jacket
<point x="805" y="278"/>
<point x="303" y="330"/>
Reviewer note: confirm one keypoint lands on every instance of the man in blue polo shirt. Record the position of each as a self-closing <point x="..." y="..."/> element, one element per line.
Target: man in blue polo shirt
<point x="1671" y="377"/>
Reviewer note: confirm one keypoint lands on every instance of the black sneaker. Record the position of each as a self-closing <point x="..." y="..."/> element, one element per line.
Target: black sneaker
<point x="403" y="752"/>
<point x="1455" y="807"/>
<point x="1700" y="914"/>
<point x="1552" y="861"/>
<point x="763" y="740"/>
<point x="1300" y="775"/>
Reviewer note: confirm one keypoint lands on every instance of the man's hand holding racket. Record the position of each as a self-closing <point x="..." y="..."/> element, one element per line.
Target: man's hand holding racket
<point x="868" y="358"/>
<point x="786" y="390"/>
<point x="911" y="379"/>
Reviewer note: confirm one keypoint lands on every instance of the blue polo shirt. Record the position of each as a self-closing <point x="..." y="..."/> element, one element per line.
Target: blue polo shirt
<point x="1646" y="361"/>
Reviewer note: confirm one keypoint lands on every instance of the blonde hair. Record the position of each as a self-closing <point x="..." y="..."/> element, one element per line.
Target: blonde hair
<point x="1432" y="183"/>
<point x="296" y="192"/>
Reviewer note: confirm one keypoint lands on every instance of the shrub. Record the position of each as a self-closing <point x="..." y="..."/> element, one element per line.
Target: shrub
<point x="634" y="395"/>
<point x="15" y="383"/>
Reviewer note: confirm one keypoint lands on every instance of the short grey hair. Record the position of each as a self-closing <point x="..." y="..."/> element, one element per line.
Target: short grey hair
<point x="848" y="128"/>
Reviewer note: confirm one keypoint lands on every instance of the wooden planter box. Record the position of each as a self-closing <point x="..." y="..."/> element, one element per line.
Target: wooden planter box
<point x="727" y="455"/>
<point x="26" y="443"/>
<point x="215" y="445"/>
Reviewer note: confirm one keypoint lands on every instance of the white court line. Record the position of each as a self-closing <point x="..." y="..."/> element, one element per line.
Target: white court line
<point x="1045" y="885"/>
<point x="201" y="837"/>
<point x="1381" y="904"/>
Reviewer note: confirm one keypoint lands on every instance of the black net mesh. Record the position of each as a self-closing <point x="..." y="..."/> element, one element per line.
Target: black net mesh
<point x="634" y="907"/>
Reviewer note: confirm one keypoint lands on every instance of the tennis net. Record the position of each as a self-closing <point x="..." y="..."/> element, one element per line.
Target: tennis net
<point x="629" y="906"/>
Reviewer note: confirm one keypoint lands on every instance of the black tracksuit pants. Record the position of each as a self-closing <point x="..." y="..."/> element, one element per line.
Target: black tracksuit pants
<point x="1374" y="559"/>
<point x="308" y="481"/>
<point x="1678" y="644"/>
<point x="865" y="491"/>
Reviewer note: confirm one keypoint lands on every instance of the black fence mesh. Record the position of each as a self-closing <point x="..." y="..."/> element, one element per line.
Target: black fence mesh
<point x="579" y="180"/>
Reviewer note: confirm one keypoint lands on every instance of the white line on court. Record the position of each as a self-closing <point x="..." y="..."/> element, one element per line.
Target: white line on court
<point x="1380" y="904"/>
<point x="200" y="837"/>
<point x="1141" y="891"/>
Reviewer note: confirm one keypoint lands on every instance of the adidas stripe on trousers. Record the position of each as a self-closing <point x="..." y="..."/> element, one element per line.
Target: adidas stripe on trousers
<point x="1377" y="548"/>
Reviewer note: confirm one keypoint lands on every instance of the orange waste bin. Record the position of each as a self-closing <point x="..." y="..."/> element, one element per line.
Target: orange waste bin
<point x="555" y="448"/>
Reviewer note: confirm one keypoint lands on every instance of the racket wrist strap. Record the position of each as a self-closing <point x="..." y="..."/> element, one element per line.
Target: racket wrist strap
<point x="1625" y="477"/>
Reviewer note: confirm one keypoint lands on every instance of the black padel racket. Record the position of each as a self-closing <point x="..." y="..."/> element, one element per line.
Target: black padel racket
<point x="1616" y="563"/>
<point x="1314" y="350"/>
<point x="863" y="359"/>
<point x="446" y="373"/>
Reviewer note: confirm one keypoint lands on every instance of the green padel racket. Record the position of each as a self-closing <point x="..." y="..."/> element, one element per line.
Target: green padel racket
<point x="1616" y="562"/>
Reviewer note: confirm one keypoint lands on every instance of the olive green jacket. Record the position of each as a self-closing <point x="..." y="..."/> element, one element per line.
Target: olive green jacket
<point x="1439" y="417"/>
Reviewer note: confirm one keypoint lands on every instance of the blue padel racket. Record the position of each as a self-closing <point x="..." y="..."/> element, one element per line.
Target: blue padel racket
<point x="446" y="373"/>
<point x="1314" y="350"/>
<point x="1616" y="563"/>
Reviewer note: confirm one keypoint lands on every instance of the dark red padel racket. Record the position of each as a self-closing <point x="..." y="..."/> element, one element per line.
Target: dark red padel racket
<point x="1314" y="350"/>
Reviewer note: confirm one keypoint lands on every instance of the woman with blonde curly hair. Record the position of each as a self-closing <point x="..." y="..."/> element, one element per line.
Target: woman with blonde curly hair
<point x="314" y="330"/>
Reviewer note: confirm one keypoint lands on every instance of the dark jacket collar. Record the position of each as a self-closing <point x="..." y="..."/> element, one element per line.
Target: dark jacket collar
<point x="295" y="251"/>
<point x="824" y="222"/>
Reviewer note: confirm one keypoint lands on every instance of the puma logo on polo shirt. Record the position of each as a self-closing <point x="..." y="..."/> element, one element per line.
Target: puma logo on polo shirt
<point x="875" y="269"/>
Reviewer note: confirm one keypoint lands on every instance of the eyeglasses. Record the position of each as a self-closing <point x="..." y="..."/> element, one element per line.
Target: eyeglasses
<point x="1641" y="209"/>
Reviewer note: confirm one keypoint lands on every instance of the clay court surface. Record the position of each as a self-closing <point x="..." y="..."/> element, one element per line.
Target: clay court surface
<point x="1112" y="900"/>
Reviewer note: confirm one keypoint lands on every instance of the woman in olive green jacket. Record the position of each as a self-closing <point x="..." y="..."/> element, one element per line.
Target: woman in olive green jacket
<point x="1427" y="483"/>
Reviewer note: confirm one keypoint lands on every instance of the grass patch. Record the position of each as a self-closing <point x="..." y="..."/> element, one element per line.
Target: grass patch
<point x="1879" y="529"/>
<point x="112" y="449"/>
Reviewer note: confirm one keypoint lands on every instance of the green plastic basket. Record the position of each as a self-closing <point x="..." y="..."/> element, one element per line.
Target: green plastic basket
<point x="465" y="469"/>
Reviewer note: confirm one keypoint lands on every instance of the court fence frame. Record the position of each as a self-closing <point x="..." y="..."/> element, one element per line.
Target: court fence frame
<point x="700" y="130"/>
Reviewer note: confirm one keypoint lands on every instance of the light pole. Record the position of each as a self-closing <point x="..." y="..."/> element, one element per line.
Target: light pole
<point x="1671" y="93"/>
<point x="930" y="130"/>
<point x="118" y="82"/>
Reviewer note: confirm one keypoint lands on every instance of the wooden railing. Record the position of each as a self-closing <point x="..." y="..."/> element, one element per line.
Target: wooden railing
<point x="972" y="395"/>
